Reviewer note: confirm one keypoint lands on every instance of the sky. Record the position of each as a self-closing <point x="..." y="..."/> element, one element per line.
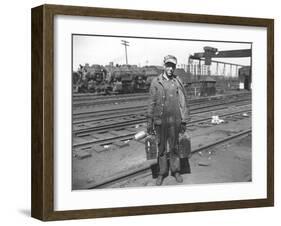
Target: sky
<point x="141" y="52"/>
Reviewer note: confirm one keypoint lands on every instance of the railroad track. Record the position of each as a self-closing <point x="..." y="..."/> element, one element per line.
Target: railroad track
<point x="128" y="135"/>
<point x="103" y="100"/>
<point x="92" y="100"/>
<point x="132" y="117"/>
<point x="108" y="112"/>
<point x="89" y="96"/>
<point x="145" y="169"/>
<point x="138" y="108"/>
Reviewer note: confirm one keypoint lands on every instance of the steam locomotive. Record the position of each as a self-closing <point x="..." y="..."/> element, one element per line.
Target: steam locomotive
<point x="113" y="79"/>
<point x="90" y="79"/>
<point x="119" y="79"/>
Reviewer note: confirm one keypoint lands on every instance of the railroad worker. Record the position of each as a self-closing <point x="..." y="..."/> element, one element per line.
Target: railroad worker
<point x="167" y="117"/>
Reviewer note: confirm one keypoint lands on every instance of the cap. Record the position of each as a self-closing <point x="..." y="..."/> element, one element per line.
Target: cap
<point x="171" y="59"/>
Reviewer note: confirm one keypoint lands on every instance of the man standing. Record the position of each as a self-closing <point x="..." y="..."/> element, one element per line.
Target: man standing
<point x="167" y="117"/>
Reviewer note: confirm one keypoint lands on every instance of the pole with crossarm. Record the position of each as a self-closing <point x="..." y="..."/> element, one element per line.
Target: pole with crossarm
<point x="125" y="43"/>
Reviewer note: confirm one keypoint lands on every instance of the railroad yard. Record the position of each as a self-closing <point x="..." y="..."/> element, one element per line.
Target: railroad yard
<point x="105" y="155"/>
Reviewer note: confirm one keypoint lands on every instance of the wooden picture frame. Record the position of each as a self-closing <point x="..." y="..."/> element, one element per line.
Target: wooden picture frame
<point x="43" y="112"/>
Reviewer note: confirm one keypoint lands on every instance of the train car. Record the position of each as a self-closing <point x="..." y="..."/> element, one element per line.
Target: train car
<point x="245" y="77"/>
<point x="116" y="79"/>
<point x="140" y="78"/>
<point x="128" y="79"/>
<point x="90" y="79"/>
<point x="151" y="72"/>
<point x="95" y="75"/>
<point x="79" y="81"/>
<point x="75" y="80"/>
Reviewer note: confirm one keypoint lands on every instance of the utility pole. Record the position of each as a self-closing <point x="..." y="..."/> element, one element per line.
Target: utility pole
<point x="125" y="43"/>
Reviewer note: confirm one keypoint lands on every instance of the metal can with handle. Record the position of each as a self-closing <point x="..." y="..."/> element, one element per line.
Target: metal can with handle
<point x="151" y="148"/>
<point x="184" y="145"/>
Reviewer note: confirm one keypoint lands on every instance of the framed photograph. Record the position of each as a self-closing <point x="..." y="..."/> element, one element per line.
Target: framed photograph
<point x="143" y="112"/>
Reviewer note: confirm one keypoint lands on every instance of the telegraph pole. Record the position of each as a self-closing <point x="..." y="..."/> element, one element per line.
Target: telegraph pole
<point x="125" y="43"/>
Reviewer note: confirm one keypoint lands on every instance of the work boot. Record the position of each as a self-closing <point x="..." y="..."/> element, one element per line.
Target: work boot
<point x="159" y="180"/>
<point x="178" y="178"/>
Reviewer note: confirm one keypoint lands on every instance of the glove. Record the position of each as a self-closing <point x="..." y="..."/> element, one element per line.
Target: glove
<point x="183" y="127"/>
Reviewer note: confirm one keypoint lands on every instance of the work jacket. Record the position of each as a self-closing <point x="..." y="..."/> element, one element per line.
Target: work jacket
<point x="158" y="97"/>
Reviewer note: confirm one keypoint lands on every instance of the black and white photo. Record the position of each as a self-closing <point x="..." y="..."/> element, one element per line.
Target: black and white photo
<point x="160" y="111"/>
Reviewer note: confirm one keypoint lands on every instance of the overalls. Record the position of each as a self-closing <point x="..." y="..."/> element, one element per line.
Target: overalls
<point x="168" y="131"/>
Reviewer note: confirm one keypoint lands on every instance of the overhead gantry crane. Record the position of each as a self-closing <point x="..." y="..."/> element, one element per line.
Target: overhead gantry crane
<point x="210" y="53"/>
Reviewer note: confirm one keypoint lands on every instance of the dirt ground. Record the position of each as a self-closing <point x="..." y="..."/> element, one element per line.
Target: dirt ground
<point x="231" y="163"/>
